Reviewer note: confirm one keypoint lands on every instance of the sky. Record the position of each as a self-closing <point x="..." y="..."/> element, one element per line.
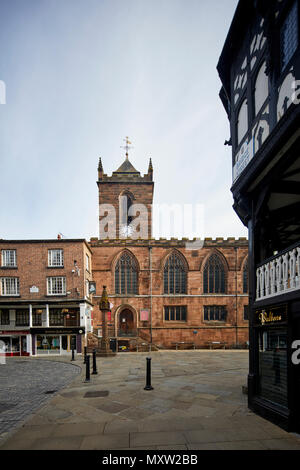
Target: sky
<point x="80" y="76"/>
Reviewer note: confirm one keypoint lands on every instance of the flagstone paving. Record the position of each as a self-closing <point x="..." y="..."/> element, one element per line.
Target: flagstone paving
<point x="196" y="404"/>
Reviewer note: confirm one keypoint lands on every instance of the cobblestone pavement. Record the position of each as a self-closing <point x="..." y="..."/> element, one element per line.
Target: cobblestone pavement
<point x="26" y="385"/>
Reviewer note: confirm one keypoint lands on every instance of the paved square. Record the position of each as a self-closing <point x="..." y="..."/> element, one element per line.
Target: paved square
<point x="197" y="403"/>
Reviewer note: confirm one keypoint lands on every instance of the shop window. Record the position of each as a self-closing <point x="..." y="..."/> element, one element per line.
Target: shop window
<point x="8" y="258"/>
<point x="289" y="36"/>
<point x="176" y="313"/>
<point x="273" y="365"/>
<point x="215" y="313"/>
<point x="47" y="344"/>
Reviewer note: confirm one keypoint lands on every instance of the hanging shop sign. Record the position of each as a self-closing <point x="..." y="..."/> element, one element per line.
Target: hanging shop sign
<point x="92" y="287"/>
<point x="271" y="315"/>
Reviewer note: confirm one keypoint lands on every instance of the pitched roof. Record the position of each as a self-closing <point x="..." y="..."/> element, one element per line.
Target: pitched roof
<point x="126" y="167"/>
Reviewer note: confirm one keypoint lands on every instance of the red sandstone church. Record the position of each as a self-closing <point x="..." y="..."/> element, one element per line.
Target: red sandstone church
<point x="165" y="292"/>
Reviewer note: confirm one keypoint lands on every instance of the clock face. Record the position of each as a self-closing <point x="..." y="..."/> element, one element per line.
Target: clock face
<point x="126" y="230"/>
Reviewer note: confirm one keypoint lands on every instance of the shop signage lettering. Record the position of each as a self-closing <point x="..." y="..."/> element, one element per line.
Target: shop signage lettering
<point x="271" y="315"/>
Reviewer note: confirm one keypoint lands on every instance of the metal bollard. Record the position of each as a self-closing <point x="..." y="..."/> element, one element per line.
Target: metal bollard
<point x="73" y="358"/>
<point x="148" y="376"/>
<point x="85" y="353"/>
<point x="87" y="369"/>
<point x="94" y="362"/>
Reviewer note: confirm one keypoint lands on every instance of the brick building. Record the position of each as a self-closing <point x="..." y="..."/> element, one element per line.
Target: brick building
<point x="163" y="291"/>
<point x="45" y="305"/>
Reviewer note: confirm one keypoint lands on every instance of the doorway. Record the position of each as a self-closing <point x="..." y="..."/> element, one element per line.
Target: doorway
<point x="126" y="323"/>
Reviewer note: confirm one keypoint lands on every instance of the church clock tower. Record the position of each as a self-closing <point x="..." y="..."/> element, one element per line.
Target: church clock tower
<point x="125" y="201"/>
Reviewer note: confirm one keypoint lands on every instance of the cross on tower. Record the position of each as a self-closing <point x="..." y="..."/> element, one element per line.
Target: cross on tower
<point x="126" y="147"/>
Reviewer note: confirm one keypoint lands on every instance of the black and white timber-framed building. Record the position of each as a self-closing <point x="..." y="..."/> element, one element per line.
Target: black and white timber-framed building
<point x="260" y="72"/>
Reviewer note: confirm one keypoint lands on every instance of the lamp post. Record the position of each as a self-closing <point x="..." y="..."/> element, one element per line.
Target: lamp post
<point x="104" y="307"/>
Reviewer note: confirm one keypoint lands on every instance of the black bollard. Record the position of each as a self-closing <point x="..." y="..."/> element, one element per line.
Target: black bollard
<point x="94" y="362"/>
<point x="148" y="376"/>
<point x="73" y="358"/>
<point x="85" y="352"/>
<point x="87" y="369"/>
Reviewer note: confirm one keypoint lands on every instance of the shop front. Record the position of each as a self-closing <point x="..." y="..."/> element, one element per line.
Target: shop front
<point x="54" y="341"/>
<point x="15" y="343"/>
<point x="274" y="370"/>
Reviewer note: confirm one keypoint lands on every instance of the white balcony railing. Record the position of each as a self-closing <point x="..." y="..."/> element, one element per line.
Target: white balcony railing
<point x="279" y="276"/>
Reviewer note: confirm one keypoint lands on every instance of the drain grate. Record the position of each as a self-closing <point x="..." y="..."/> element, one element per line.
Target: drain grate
<point x="50" y="391"/>
<point x="96" y="394"/>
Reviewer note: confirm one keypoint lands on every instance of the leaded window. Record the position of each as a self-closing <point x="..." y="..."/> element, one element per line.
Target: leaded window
<point x="214" y="276"/>
<point x="289" y="35"/>
<point x="126" y="275"/>
<point x="215" y="313"/>
<point x="176" y="313"/>
<point x="175" y="275"/>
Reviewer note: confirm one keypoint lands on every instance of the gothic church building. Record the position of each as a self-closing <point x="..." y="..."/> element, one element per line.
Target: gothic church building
<point x="161" y="292"/>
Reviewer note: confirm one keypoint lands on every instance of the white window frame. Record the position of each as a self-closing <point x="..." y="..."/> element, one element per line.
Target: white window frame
<point x="10" y="286"/>
<point x="55" y="258"/>
<point x="56" y="285"/>
<point x="9" y="258"/>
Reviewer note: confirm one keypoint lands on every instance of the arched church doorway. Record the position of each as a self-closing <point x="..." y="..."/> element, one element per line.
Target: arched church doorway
<point x="126" y="323"/>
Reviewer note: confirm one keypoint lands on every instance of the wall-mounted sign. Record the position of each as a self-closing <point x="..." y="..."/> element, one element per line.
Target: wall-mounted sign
<point x="34" y="290"/>
<point x="271" y="315"/>
<point x="144" y="315"/>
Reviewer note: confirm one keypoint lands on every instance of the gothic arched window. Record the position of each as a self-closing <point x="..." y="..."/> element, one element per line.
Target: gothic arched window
<point x="245" y="278"/>
<point x="126" y="275"/>
<point x="214" y="276"/>
<point x="175" y="275"/>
